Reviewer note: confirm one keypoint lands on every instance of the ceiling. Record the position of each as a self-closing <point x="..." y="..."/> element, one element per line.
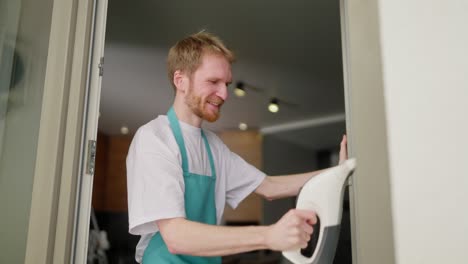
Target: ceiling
<point x="287" y="49"/>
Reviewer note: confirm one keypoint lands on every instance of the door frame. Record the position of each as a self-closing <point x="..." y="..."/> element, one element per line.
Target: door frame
<point x="347" y="95"/>
<point x="55" y="186"/>
<point x="90" y="114"/>
<point x="90" y="128"/>
<point x="371" y="216"/>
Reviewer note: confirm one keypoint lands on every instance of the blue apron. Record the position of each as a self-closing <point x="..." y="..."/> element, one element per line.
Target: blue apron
<point x="199" y="204"/>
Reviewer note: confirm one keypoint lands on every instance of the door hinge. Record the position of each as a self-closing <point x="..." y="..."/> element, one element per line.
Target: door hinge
<point x="101" y="66"/>
<point x="91" y="163"/>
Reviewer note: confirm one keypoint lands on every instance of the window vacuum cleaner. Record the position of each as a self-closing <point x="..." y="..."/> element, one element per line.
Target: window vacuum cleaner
<point x="323" y="194"/>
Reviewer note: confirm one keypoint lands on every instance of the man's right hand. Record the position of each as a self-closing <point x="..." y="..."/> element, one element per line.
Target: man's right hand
<point x="292" y="231"/>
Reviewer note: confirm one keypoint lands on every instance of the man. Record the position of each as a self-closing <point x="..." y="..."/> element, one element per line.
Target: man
<point x="180" y="176"/>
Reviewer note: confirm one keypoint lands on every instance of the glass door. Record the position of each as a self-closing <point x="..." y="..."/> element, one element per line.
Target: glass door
<point x="24" y="42"/>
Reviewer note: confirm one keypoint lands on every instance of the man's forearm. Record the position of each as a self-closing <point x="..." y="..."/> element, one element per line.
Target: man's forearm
<point x="192" y="238"/>
<point x="276" y="187"/>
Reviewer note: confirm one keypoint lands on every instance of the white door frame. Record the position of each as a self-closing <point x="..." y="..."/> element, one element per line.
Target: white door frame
<point x="370" y="198"/>
<point x="90" y="127"/>
<point x="347" y="94"/>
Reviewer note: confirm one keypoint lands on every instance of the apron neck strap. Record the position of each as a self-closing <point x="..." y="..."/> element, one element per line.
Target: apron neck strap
<point x="175" y="127"/>
<point x="210" y="155"/>
<point x="174" y="122"/>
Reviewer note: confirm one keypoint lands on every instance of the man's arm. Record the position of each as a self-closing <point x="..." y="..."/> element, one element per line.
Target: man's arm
<point x="289" y="185"/>
<point x="276" y="187"/>
<point x="183" y="236"/>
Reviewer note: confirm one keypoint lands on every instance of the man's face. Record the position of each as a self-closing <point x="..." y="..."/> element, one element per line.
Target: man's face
<point x="207" y="89"/>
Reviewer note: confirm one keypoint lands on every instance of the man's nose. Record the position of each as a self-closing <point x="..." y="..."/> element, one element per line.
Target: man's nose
<point x="223" y="92"/>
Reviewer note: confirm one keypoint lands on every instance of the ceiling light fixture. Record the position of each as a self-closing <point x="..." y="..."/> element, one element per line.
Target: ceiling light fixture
<point x="243" y="126"/>
<point x="239" y="91"/>
<point x="273" y="106"/>
<point x="124" y="130"/>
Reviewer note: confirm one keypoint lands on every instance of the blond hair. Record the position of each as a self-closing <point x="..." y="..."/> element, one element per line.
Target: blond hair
<point x="186" y="54"/>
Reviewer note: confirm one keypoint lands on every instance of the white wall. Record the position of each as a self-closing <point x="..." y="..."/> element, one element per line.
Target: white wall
<point x="408" y="101"/>
<point x="425" y="71"/>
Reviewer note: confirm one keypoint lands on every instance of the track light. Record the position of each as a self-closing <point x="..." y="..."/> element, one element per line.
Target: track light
<point x="273" y="106"/>
<point x="243" y="126"/>
<point x="124" y="130"/>
<point x="239" y="91"/>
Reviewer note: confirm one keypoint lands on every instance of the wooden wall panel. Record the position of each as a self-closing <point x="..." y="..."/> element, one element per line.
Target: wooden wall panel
<point x="248" y="145"/>
<point x="110" y="183"/>
<point x="116" y="180"/>
<point x="100" y="173"/>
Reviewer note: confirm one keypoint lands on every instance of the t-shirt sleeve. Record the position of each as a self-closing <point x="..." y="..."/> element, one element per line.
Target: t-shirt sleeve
<point x="154" y="182"/>
<point x="242" y="178"/>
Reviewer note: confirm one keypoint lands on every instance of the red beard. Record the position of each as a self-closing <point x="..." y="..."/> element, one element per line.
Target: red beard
<point x="205" y="108"/>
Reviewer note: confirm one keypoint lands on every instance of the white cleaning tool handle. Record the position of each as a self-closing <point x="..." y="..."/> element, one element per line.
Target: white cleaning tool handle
<point x="323" y="194"/>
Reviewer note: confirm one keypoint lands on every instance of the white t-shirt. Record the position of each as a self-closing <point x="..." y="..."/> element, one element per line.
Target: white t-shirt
<point x="155" y="181"/>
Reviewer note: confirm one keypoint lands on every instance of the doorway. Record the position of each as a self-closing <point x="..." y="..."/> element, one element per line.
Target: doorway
<point x="291" y="52"/>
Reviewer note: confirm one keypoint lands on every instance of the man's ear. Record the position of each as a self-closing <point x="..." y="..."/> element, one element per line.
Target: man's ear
<point x="179" y="80"/>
